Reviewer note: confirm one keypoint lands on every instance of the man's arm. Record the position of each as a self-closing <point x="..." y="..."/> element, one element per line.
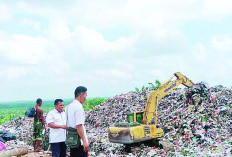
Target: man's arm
<point x="81" y="133"/>
<point x="40" y="115"/>
<point x="51" y="124"/>
<point x="56" y="126"/>
<point x="42" y="118"/>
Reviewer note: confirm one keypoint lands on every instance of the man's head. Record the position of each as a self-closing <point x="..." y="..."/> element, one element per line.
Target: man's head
<point x="59" y="105"/>
<point x="39" y="101"/>
<point x="80" y="94"/>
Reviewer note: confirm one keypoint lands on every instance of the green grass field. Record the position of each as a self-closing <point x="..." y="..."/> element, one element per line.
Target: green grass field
<point x="10" y="110"/>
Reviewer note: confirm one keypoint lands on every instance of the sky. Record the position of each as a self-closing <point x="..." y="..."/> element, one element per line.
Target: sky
<point x="48" y="48"/>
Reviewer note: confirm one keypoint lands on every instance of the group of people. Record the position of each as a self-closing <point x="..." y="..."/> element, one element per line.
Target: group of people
<point x="58" y="120"/>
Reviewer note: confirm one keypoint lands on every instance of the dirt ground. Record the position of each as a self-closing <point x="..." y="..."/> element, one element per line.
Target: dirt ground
<point x="35" y="154"/>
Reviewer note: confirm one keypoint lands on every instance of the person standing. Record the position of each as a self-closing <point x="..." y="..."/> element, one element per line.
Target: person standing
<point x="38" y="126"/>
<point x="56" y="120"/>
<point x="76" y="119"/>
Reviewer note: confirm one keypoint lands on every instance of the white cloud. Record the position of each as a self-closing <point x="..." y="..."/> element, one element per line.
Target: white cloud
<point x="58" y="30"/>
<point x="35" y="24"/>
<point x="31" y="54"/>
<point x="23" y="49"/>
<point x="93" y="43"/>
<point x="112" y="73"/>
<point x="215" y="9"/>
<point x="4" y="13"/>
<point x="15" y="72"/>
<point x="222" y="43"/>
<point x="72" y="46"/>
<point x="200" y="53"/>
<point x="138" y="14"/>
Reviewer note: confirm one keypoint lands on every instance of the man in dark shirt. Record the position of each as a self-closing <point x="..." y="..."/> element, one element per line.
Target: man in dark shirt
<point x="39" y="125"/>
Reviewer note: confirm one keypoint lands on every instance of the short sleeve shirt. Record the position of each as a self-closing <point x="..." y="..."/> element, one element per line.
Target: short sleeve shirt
<point x="59" y="118"/>
<point x="76" y="115"/>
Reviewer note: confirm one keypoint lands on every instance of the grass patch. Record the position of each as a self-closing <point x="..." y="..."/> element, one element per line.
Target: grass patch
<point x="11" y="110"/>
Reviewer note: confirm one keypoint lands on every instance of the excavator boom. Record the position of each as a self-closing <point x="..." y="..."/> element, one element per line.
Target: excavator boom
<point x="164" y="89"/>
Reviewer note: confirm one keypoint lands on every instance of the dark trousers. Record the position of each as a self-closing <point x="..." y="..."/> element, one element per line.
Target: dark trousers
<point x="78" y="152"/>
<point x="58" y="149"/>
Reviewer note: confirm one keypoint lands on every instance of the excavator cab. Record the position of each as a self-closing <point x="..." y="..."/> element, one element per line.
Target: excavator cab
<point x="135" y="117"/>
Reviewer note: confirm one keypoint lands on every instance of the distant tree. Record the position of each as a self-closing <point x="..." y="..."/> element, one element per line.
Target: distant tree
<point x="150" y="87"/>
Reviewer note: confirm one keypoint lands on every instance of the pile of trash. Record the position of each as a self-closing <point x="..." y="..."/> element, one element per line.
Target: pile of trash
<point x="21" y="131"/>
<point x="196" y="121"/>
<point x="21" y="128"/>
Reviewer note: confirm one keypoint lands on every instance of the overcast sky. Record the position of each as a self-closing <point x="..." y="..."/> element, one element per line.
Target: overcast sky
<point x="48" y="48"/>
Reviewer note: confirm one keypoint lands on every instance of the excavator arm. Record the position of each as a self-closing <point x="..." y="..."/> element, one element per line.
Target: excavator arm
<point x="164" y="89"/>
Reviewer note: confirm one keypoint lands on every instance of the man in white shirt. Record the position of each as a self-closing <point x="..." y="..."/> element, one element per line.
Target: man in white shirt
<point x="76" y="119"/>
<point x="56" y="120"/>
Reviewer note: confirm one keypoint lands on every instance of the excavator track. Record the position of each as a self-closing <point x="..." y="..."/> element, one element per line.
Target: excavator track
<point x="132" y="148"/>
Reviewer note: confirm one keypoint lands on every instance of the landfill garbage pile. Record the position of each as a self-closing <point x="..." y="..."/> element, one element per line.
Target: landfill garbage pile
<point x="196" y="121"/>
<point x="22" y="127"/>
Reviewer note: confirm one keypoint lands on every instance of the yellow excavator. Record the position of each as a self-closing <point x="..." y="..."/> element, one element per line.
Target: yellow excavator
<point x="142" y="126"/>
